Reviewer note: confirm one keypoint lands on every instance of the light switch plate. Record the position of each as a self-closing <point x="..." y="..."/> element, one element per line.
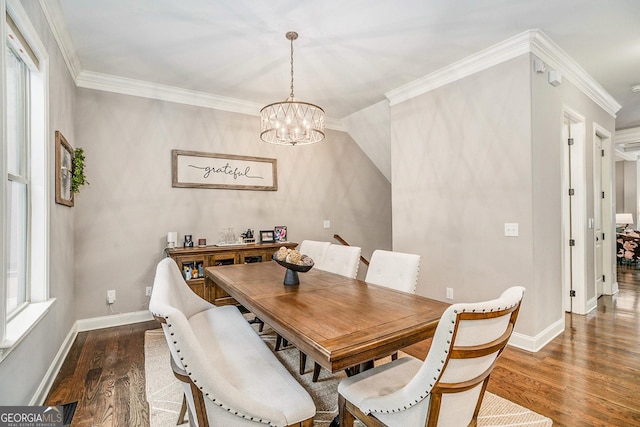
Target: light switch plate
<point x="326" y="223"/>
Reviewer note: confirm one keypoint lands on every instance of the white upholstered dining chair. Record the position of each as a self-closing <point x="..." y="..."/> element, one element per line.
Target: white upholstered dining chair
<point x="342" y="260"/>
<point x="396" y="270"/>
<point x="447" y="388"/>
<point x="314" y="249"/>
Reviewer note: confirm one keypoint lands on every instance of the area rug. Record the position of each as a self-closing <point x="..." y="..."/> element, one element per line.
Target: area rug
<point x="164" y="392"/>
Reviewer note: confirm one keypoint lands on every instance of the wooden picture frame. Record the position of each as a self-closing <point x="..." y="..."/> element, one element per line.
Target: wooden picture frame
<point x="195" y="169"/>
<point x="267" y="236"/>
<point x="64" y="171"/>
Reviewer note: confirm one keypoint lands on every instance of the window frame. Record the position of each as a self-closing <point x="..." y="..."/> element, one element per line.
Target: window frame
<point x="23" y="177"/>
<point x="15" y="328"/>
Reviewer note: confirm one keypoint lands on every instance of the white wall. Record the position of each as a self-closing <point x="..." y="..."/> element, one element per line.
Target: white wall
<point x="123" y="217"/>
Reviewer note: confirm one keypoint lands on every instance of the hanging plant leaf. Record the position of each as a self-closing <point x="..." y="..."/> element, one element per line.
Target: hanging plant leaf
<point x="78" y="179"/>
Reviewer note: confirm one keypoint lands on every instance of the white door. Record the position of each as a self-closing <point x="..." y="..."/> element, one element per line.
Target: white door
<point x="597" y="213"/>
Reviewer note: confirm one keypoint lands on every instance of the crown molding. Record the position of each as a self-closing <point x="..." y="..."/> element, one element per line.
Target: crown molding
<point x="144" y="89"/>
<point x="53" y="13"/>
<point x="494" y="55"/>
<point x="627" y="136"/>
<point x="547" y="50"/>
<point x="531" y="41"/>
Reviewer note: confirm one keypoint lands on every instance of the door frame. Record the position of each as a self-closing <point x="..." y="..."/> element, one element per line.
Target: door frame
<point x="610" y="285"/>
<point x="574" y="212"/>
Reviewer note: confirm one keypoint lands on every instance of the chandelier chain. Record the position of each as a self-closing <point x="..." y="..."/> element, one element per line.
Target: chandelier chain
<point x="292" y="38"/>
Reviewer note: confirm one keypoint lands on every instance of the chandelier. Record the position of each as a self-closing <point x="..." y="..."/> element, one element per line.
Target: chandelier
<point x="292" y="122"/>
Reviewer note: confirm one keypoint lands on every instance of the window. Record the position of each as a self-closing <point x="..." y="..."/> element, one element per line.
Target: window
<point x="17" y="202"/>
<point x="24" y="258"/>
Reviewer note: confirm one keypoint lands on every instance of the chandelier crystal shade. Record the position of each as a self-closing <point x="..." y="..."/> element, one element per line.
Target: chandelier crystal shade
<point x="292" y="122"/>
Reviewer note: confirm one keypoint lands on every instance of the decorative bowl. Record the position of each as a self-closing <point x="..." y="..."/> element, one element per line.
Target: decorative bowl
<point x="291" y="276"/>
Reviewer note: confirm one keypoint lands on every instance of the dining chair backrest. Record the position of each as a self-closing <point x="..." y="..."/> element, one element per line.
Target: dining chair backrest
<point x="342" y="260"/>
<point x="314" y="249"/>
<point x="447" y="388"/>
<point x="396" y="270"/>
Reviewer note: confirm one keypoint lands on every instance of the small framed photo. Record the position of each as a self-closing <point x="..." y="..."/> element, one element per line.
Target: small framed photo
<point x="267" y="236"/>
<point x="280" y="232"/>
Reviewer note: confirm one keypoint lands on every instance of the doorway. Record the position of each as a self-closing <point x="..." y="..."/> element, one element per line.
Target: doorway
<point x="598" y="200"/>
<point x="574" y="245"/>
<point x="604" y="216"/>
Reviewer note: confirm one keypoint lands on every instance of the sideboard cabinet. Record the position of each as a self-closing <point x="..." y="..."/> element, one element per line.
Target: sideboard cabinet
<point x="193" y="261"/>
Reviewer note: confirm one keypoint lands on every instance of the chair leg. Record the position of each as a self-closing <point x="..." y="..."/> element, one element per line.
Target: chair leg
<point x="346" y="418"/>
<point x="303" y="363"/>
<point x="316" y="372"/>
<point x="280" y="343"/>
<point x="183" y="410"/>
<point x="394" y="356"/>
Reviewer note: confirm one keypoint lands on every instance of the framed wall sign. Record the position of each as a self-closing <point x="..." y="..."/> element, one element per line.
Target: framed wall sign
<point x="194" y="169"/>
<point x="64" y="170"/>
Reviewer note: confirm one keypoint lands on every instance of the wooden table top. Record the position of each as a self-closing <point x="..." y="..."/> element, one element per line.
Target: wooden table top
<point x="337" y="321"/>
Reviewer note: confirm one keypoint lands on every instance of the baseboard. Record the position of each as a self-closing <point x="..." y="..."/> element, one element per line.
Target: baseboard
<point x="535" y="344"/>
<point x="113" y="320"/>
<point x="592" y="304"/>
<point x="46" y="383"/>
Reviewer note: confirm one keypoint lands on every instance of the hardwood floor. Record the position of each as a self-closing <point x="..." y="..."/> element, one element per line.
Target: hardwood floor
<point x="588" y="376"/>
<point x="104" y="373"/>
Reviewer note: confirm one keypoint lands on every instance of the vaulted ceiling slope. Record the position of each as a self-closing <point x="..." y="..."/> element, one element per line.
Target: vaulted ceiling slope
<point x="349" y="54"/>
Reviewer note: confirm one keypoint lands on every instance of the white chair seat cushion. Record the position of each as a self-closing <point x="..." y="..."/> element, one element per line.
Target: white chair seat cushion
<point x="366" y="389"/>
<point x="384" y="381"/>
<point x="242" y="359"/>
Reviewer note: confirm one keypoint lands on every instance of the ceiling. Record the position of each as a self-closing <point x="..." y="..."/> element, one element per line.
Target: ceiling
<point x="349" y="53"/>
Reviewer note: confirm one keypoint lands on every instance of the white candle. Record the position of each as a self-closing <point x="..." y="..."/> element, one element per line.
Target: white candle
<point x="172" y="238"/>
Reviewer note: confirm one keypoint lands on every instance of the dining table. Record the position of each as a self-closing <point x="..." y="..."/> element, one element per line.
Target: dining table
<point x="339" y="322"/>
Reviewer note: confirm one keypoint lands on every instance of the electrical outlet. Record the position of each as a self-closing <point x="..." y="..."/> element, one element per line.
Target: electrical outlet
<point x="326" y="223"/>
<point x="449" y="293"/>
<point x="147" y="291"/>
<point x="511" y="229"/>
<point x="111" y="296"/>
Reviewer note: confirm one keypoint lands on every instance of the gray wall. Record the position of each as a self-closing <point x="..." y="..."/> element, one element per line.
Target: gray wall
<point x="461" y="167"/>
<point x="627" y="188"/>
<point x="549" y="103"/>
<point x="123" y="217"/>
<point x="26" y="366"/>
<point x="468" y="157"/>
